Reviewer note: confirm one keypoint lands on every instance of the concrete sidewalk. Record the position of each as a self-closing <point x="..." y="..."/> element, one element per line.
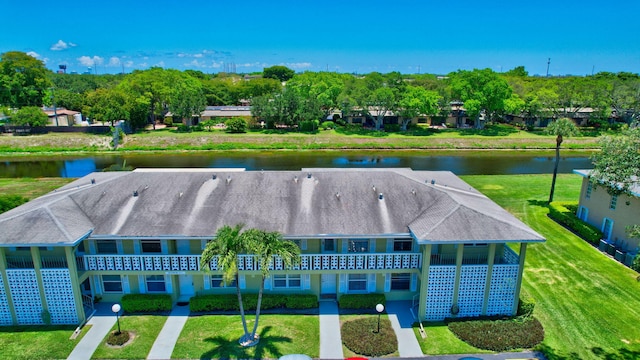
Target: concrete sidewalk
<point x="330" y="338"/>
<point x="101" y="323"/>
<point x="401" y="317"/>
<point x="168" y="336"/>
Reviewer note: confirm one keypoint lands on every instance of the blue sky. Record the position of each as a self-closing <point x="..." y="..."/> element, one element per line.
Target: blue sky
<point x="345" y="36"/>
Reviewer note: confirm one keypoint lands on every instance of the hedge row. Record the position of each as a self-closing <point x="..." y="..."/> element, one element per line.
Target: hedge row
<point x="146" y="303"/>
<point x="361" y="301"/>
<point x="559" y="212"/>
<point x="500" y="335"/>
<point x="229" y="302"/>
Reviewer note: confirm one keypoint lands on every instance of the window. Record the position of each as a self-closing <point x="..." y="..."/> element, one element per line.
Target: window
<point x="356" y="246"/>
<point x="155" y="283"/>
<point x="112" y="283"/>
<point x="400" y="281"/>
<point x="357" y="282"/>
<point x="613" y="202"/>
<point x="589" y="189"/>
<point x="286" y="281"/>
<point x="356" y="120"/>
<point x="218" y="281"/>
<point x="151" y="246"/>
<point x="329" y="245"/>
<point x="106" y="247"/>
<point x="402" y="245"/>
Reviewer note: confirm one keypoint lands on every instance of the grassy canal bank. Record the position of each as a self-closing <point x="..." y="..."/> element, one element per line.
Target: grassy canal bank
<point x="496" y="137"/>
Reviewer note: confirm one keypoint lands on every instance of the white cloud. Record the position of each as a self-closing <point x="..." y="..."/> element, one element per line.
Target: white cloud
<point x="216" y="64"/>
<point x="90" y="61"/>
<point x="34" y="54"/>
<point x="160" y="64"/>
<point x="196" y="63"/>
<point x="198" y="55"/>
<point x="301" y="65"/>
<point x="181" y="55"/>
<point x="61" y="45"/>
<point x="143" y="65"/>
<point x="114" y="61"/>
<point x="128" y="64"/>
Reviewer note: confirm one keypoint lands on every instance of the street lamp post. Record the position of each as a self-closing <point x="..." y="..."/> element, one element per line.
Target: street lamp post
<point x="379" y="309"/>
<point x="116" y="309"/>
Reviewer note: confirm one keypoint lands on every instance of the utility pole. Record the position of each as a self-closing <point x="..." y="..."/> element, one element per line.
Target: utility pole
<point x="548" y="63"/>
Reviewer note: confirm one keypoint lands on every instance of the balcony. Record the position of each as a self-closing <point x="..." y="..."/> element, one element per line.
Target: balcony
<point x="26" y="262"/>
<point x="508" y="257"/>
<point x="369" y="261"/>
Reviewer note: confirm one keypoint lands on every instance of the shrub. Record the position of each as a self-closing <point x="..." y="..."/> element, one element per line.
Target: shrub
<point x="526" y="306"/>
<point x="559" y="212"/>
<point x="636" y="263"/>
<point x="392" y="128"/>
<point x="236" y="125"/>
<point x="168" y="121"/>
<point x="499" y="335"/>
<point x="146" y="303"/>
<point x="361" y="336"/>
<point x="309" y="126"/>
<point x="182" y="128"/>
<point x="327" y="125"/>
<point x="301" y="301"/>
<point x="8" y="202"/>
<point x="269" y="301"/>
<point x="361" y="301"/>
<point x="118" y="339"/>
<point x="205" y="303"/>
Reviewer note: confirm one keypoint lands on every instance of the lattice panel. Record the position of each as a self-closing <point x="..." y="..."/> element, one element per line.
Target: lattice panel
<point x="440" y="292"/>
<point x="471" y="292"/>
<point x="5" y="312"/>
<point x="25" y="296"/>
<point x="503" y="289"/>
<point x="58" y="292"/>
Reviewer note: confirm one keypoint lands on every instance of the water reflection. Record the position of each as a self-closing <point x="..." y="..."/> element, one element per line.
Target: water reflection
<point x="465" y="164"/>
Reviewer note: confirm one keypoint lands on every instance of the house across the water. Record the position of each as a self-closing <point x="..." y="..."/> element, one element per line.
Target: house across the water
<point x="425" y="236"/>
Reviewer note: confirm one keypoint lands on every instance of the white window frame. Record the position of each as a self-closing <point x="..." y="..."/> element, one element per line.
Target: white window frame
<point x="290" y="281"/>
<point x="218" y="282"/>
<point x="155" y="280"/>
<point x="112" y="281"/>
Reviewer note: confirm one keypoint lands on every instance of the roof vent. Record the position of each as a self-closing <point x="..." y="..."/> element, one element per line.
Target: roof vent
<point x="433" y="181"/>
<point x="308" y="175"/>
<point x="135" y="193"/>
<point x="295" y="179"/>
<point x="228" y="179"/>
<point x="214" y="176"/>
<point x="380" y="196"/>
<point x="181" y="193"/>
<point x="413" y="191"/>
<point x="93" y="181"/>
<point x="374" y="188"/>
<point x="338" y="195"/>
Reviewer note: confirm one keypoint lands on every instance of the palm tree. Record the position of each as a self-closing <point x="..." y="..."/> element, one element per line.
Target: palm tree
<point x="561" y="127"/>
<point x="227" y="245"/>
<point x="268" y="245"/>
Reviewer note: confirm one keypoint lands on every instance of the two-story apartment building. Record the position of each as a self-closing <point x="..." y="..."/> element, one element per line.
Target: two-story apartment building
<point x="413" y="235"/>
<point x="612" y="214"/>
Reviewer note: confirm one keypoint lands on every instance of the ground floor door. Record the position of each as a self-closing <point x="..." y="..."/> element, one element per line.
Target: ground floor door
<point x="186" y="287"/>
<point x="328" y="284"/>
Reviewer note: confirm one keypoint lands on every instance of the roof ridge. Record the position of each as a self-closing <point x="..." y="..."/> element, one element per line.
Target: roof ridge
<point x="58" y="224"/>
<point x="519" y="226"/>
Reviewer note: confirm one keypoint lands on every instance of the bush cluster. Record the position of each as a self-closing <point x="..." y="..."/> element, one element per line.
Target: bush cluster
<point x="361" y="301"/>
<point x="236" y="125"/>
<point x="526" y="306"/>
<point x="8" y="202"/>
<point x="326" y="125"/>
<point x="146" y="303"/>
<point x="361" y="336"/>
<point x="229" y="302"/>
<point x="559" y="212"/>
<point x="499" y="335"/>
<point x="118" y="339"/>
<point x="309" y="126"/>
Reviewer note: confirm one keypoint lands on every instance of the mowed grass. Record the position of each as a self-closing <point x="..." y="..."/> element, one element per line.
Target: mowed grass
<point x="31" y="188"/>
<point x="38" y="342"/>
<point x="145" y="327"/>
<point x="588" y="303"/>
<point x="216" y="337"/>
<point x="441" y="341"/>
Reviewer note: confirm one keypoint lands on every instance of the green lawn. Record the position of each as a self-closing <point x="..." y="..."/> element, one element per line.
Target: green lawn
<point x="29" y="187"/>
<point x="145" y="327"/>
<point x="440" y="341"/>
<point x="216" y="336"/>
<point x="588" y="304"/>
<point x="38" y="342"/>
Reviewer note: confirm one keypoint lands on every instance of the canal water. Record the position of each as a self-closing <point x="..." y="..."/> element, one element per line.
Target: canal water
<point x="467" y="163"/>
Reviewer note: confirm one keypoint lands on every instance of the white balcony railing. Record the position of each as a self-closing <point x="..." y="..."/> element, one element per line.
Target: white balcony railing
<point x="373" y="261"/>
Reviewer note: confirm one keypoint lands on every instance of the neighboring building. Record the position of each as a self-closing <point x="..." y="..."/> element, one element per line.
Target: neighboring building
<point x="221" y="113"/>
<point x="424" y="236"/>
<point x="63" y="117"/>
<point x="611" y="214"/>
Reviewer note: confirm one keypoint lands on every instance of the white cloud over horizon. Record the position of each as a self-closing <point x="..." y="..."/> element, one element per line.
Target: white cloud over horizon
<point x="91" y="61"/>
<point x="61" y="45"/>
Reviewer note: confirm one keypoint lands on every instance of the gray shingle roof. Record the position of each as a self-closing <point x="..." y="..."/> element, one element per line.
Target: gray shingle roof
<point x="329" y="203"/>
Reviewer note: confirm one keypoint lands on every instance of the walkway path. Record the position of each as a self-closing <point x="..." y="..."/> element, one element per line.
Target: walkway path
<point x="402" y="319"/>
<point x="168" y="336"/>
<point x="330" y="338"/>
<point x="101" y="323"/>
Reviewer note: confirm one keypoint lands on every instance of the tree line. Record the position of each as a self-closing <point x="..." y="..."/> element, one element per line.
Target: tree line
<point x="279" y="96"/>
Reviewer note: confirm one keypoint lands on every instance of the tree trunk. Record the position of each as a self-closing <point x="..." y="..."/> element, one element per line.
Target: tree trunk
<point x="255" y="326"/>
<point x="245" y="337"/>
<point x="555" y="167"/>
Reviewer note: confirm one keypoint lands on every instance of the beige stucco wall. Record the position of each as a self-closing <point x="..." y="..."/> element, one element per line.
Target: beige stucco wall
<point x="623" y="215"/>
